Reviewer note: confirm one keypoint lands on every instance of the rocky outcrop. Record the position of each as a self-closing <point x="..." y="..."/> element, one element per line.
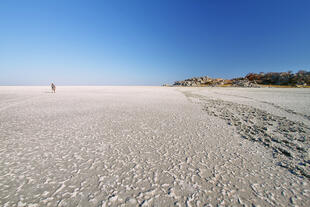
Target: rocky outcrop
<point x="245" y="83"/>
<point x="200" y="81"/>
<point x="284" y="78"/>
<point x="252" y="80"/>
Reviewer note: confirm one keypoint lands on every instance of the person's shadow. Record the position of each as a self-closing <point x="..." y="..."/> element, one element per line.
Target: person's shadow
<point x="47" y="92"/>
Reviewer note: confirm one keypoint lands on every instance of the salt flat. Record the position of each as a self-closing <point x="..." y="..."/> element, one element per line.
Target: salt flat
<point x="154" y="146"/>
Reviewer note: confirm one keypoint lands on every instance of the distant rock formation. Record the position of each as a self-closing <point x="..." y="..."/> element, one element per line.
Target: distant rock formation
<point x="253" y="80"/>
<point x="201" y="81"/>
<point x="284" y="78"/>
<point x="245" y="83"/>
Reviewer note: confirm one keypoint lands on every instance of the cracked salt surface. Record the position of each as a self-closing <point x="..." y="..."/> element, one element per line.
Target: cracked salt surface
<point x="144" y="146"/>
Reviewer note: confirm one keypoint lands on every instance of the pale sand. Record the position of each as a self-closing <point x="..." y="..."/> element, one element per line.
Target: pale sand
<point x="153" y="146"/>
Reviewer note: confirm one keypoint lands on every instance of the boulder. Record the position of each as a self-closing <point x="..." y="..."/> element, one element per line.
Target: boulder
<point x="245" y="83"/>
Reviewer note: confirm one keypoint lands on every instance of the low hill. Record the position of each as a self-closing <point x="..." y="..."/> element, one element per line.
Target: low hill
<point x="301" y="78"/>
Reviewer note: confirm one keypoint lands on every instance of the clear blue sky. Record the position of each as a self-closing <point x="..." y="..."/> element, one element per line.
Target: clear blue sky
<point x="149" y="42"/>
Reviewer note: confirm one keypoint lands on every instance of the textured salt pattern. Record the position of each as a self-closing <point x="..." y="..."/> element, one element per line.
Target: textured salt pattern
<point x="289" y="140"/>
<point x="132" y="146"/>
<point x="289" y="111"/>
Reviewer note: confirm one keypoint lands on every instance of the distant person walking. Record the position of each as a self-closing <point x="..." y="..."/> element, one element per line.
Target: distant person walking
<point x="53" y="88"/>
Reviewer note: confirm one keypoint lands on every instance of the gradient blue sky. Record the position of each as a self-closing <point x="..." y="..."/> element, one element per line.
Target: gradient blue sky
<point x="149" y="42"/>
